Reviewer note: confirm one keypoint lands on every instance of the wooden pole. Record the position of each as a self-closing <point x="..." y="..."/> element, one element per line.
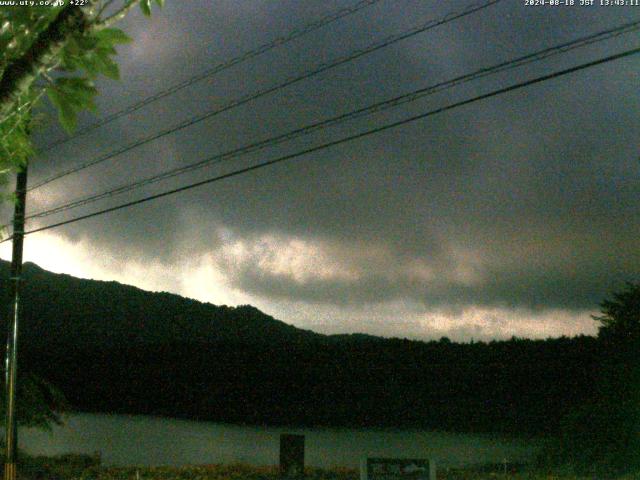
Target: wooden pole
<point x="11" y="365"/>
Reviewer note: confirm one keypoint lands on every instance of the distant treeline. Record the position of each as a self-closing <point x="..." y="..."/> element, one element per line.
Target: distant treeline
<point x="113" y="348"/>
<point x="517" y="386"/>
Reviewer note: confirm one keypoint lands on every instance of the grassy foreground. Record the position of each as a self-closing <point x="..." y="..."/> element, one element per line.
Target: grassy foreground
<point x="85" y="467"/>
<point x="242" y="472"/>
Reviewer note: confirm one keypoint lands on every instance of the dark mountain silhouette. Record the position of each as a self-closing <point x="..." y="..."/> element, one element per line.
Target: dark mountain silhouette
<point x="115" y="348"/>
<point x="64" y="311"/>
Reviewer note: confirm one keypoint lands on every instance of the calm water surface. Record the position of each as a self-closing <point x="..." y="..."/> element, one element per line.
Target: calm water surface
<point x="141" y="440"/>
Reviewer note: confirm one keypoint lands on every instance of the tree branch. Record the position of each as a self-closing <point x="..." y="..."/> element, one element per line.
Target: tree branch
<point x="21" y="73"/>
<point x="104" y="7"/>
<point x="117" y="16"/>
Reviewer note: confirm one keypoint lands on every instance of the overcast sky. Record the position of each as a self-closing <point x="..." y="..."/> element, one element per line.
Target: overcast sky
<point x="515" y="215"/>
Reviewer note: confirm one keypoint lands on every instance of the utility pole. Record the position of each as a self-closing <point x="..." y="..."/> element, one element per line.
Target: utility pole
<point x="11" y="367"/>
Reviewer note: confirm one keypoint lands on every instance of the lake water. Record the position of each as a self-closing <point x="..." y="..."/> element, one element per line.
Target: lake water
<point x="142" y="440"/>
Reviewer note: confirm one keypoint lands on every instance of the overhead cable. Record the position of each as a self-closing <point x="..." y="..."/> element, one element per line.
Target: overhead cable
<point x="355" y="114"/>
<point x="340" y="141"/>
<point x="243" y="57"/>
<point x="390" y="40"/>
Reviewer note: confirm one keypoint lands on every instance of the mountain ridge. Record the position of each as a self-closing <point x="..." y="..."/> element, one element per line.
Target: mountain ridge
<point x="115" y="348"/>
<point x="94" y="312"/>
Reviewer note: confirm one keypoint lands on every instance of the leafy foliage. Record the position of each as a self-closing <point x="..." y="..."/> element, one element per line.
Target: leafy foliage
<point x="620" y="319"/>
<point x="60" y="67"/>
<point x="39" y="403"/>
<point x="70" y="96"/>
<point x="602" y="435"/>
<point x="57" y="50"/>
<point x="19" y="28"/>
<point x="15" y="142"/>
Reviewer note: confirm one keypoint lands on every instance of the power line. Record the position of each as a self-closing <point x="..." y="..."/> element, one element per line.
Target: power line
<point x="264" y="48"/>
<point x="362" y="112"/>
<point x="288" y="82"/>
<point x="341" y="140"/>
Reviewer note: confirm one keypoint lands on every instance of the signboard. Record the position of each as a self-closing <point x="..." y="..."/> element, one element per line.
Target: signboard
<point x="398" y="469"/>
<point x="291" y="455"/>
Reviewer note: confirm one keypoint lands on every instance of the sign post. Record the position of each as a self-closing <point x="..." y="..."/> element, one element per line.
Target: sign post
<point x="291" y="455"/>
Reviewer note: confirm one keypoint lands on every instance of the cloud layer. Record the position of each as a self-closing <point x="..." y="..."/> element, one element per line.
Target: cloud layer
<point x="516" y="214"/>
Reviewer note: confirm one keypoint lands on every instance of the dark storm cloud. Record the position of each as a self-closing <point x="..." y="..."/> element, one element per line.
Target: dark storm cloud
<point x="525" y="200"/>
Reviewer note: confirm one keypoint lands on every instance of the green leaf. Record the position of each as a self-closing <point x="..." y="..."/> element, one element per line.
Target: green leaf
<point x="68" y="118"/>
<point x="90" y="62"/>
<point x="105" y="50"/>
<point x="79" y="92"/>
<point x="87" y="42"/>
<point x="66" y="112"/>
<point x="112" y="36"/>
<point x="70" y="96"/>
<point x="106" y="65"/>
<point x="110" y="68"/>
<point x="55" y="96"/>
<point x="145" y="6"/>
<point x="160" y="3"/>
<point x="69" y="64"/>
<point x="72" y="47"/>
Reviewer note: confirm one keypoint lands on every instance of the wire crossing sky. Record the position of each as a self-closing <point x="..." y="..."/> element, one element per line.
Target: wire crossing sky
<point x="513" y="215"/>
<point x="343" y="140"/>
<point x="391" y="103"/>
<point x="248" y="55"/>
<point x="423" y="27"/>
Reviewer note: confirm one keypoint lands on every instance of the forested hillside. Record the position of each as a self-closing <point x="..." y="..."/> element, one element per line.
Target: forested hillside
<point x="116" y="348"/>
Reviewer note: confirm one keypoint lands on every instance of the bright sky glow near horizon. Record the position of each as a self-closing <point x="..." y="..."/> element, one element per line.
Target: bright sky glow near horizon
<point x="515" y="215"/>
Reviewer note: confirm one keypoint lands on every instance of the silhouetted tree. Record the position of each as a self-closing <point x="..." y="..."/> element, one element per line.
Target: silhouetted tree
<point x="603" y="435"/>
<point x="620" y="319"/>
<point x="39" y="403"/>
